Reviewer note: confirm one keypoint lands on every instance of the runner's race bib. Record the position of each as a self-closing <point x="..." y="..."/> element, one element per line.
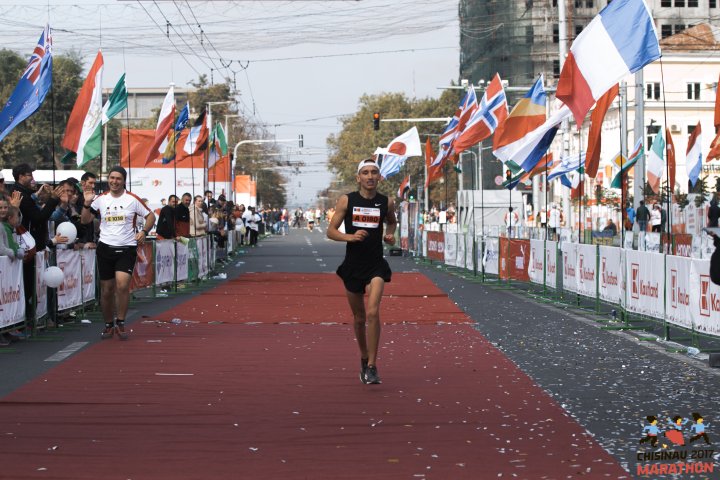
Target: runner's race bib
<point x="364" y="217"/>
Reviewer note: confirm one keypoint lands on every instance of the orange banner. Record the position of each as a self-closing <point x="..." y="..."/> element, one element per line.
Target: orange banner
<point x="514" y="259"/>
<point x="242" y="184"/>
<point x="436" y="246"/>
<point x="144" y="273"/>
<point x="134" y="146"/>
<point x="220" y="172"/>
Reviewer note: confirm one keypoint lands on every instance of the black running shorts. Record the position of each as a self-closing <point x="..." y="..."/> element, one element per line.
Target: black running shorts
<point x="115" y="259"/>
<point x="357" y="277"/>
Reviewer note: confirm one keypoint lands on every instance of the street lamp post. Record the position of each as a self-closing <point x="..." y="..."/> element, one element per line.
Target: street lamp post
<point x="244" y="142"/>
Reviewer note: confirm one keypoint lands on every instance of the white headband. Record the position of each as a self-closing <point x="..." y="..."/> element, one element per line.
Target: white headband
<point x="368" y="162"/>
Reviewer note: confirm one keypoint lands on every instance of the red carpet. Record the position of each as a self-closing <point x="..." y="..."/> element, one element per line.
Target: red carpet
<point x="268" y="401"/>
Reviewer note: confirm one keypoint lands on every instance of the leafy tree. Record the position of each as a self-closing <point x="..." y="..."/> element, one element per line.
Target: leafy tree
<point x="358" y="140"/>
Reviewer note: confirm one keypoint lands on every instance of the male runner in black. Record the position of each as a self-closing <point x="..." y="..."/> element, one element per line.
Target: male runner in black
<point x="364" y="269"/>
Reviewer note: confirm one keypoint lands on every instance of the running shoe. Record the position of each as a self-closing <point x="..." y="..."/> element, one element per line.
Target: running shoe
<point x="363" y="367"/>
<point x="109" y="331"/>
<point x="371" y="375"/>
<point x="120" y="329"/>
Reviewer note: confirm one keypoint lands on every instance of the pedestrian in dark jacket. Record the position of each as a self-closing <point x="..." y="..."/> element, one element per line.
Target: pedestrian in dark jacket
<point x="642" y="215"/>
<point x="713" y="212"/>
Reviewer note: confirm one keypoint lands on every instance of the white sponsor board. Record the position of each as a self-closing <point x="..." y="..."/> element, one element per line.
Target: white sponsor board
<point x="652" y="242"/>
<point x="183" y="254"/>
<point x="629" y="234"/>
<point x="536" y="266"/>
<point x="87" y="264"/>
<point x="469" y="252"/>
<point x="677" y="273"/>
<point x="704" y="298"/>
<point x="69" y="292"/>
<point x="40" y="286"/>
<point x="569" y="266"/>
<point x="586" y="272"/>
<point x="450" y="248"/>
<point x="611" y="279"/>
<point x="460" y="255"/>
<point x="551" y="256"/>
<point x="202" y="245"/>
<point x="491" y="256"/>
<point x="164" y="261"/>
<point x="645" y="272"/>
<point x="12" y="292"/>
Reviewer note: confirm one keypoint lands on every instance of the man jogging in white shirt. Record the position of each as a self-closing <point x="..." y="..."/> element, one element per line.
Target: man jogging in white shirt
<point x="118" y="210"/>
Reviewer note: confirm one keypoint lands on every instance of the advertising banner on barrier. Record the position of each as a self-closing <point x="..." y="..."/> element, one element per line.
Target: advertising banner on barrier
<point x="87" y="265"/>
<point x="40" y="286"/>
<point x="460" y="249"/>
<point x="629" y="235"/>
<point x="491" y="256"/>
<point x="536" y="266"/>
<point x="404" y="226"/>
<point x="202" y="244"/>
<point x="450" y="248"/>
<point x="704" y="298"/>
<point x="611" y="274"/>
<point x="645" y="273"/>
<point x="677" y="273"/>
<point x="182" y="261"/>
<point x="469" y="252"/>
<point x="586" y="272"/>
<point x="514" y="259"/>
<point x="569" y="266"/>
<point x="142" y="276"/>
<point x="436" y="246"/>
<point x="551" y="262"/>
<point x="12" y="292"/>
<point x="69" y="292"/>
<point x="682" y="245"/>
<point x="652" y="242"/>
<point x="164" y="261"/>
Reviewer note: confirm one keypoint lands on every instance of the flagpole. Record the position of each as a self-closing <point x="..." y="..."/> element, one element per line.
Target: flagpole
<point x="623" y="208"/>
<point x="667" y="162"/>
<point x="52" y="130"/>
<point x="581" y="202"/>
<point x="127" y="123"/>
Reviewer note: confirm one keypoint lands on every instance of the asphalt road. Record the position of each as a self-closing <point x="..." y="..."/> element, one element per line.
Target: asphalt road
<point x="607" y="381"/>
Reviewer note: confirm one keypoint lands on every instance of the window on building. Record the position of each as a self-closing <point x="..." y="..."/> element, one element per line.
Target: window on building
<point x="713" y="3"/>
<point x="652" y="91"/>
<point x="529" y="35"/>
<point x="528" y="4"/>
<point x="692" y="3"/>
<point x="666" y="3"/>
<point x="691" y="129"/>
<point x="679" y="3"/>
<point x="556" y="34"/>
<point x="556" y="68"/>
<point x="554" y="3"/>
<point x="693" y="91"/>
<point x="578" y="29"/>
<point x="590" y="3"/>
<point x="652" y="131"/>
<point x="666" y="31"/>
<point x="578" y="3"/>
<point x="678" y="28"/>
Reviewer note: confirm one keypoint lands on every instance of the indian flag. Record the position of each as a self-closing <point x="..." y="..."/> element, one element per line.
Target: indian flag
<point x="86" y="116"/>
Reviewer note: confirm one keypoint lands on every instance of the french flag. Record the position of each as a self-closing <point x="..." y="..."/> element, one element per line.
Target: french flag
<point x="693" y="158"/>
<point x="619" y="41"/>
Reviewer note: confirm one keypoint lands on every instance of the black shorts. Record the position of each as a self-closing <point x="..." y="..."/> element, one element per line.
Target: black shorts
<point x="115" y="259"/>
<point x="357" y="277"/>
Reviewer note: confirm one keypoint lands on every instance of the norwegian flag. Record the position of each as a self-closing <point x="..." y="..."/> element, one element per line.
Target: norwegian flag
<point x="31" y="89"/>
<point x="491" y="113"/>
<point x="468" y="106"/>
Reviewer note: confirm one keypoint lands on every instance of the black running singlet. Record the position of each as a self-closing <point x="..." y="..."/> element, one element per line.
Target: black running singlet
<point x="368" y="215"/>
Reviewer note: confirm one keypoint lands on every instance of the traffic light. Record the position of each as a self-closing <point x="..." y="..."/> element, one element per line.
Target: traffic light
<point x="376" y="121"/>
<point x="300" y="141"/>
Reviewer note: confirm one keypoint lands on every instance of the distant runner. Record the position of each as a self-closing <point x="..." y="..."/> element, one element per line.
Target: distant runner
<point x="364" y="269"/>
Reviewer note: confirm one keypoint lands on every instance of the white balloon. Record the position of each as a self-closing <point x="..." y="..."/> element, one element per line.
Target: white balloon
<point x="54" y="277"/>
<point x="67" y="229"/>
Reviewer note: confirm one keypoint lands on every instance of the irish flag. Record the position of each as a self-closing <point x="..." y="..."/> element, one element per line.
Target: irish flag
<point x="86" y="116"/>
<point x="656" y="162"/>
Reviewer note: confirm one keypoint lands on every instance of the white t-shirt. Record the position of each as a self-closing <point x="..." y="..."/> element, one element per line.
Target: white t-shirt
<point x="118" y="217"/>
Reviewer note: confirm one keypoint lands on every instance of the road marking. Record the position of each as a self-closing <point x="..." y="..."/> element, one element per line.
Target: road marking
<point x="66" y="352"/>
<point x="175" y="374"/>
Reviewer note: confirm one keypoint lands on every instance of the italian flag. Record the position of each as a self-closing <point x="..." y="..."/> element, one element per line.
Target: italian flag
<point x="85" y="117"/>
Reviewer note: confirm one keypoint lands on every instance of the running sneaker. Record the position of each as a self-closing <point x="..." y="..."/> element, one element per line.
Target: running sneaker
<point x="120" y="329"/>
<point x="109" y="330"/>
<point x="371" y="375"/>
<point x="363" y="367"/>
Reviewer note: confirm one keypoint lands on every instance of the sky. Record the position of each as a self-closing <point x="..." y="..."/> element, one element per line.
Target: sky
<point x="299" y="66"/>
